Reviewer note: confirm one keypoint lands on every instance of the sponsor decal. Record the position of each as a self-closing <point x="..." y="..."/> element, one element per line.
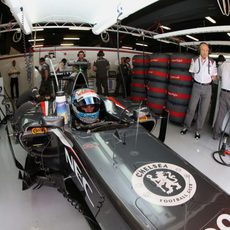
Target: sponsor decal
<point x="164" y="184"/>
<point x="79" y="175"/>
<point x="39" y="130"/>
<point x="221" y="221"/>
<point x="89" y="145"/>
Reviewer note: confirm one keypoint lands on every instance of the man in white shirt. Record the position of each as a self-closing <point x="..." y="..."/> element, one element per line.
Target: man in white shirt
<point x="14" y="73"/>
<point x="204" y="71"/>
<point x="224" y="101"/>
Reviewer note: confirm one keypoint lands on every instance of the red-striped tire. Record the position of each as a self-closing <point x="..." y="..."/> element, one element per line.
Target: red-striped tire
<point x="156" y="104"/>
<point x="140" y="60"/>
<point x="157" y="74"/>
<point x="181" y="60"/>
<point x="178" y="94"/>
<point x="159" y="60"/>
<point x="180" y="77"/>
<point x="177" y="113"/>
<point x="140" y="73"/>
<point x="138" y="90"/>
<point x="157" y="89"/>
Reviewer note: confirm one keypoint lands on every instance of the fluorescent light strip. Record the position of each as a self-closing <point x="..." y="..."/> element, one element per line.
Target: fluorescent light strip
<point x="165" y="41"/>
<point x="37" y="29"/>
<point x="228" y="34"/>
<point x="67" y="44"/>
<point x="210" y="19"/>
<point x="79" y="28"/>
<point x="36" y="46"/>
<point x="37" y="40"/>
<point x="127" y="47"/>
<point x="71" y="39"/>
<point x="165" y="27"/>
<point x="191" y="37"/>
<point x="136" y="34"/>
<point x="141" y="44"/>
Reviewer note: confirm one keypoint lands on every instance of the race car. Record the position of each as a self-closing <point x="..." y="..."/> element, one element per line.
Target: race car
<point x="115" y="171"/>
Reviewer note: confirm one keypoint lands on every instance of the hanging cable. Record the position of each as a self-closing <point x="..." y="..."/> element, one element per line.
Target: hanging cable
<point x="120" y="12"/>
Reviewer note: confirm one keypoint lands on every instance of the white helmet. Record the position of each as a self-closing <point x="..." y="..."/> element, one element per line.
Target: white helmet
<point x="82" y="98"/>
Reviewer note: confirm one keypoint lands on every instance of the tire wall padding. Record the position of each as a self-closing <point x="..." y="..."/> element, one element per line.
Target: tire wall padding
<point x="157" y="89"/>
<point x="159" y="60"/>
<point x="181" y="60"/>
<point x="180" y="77"/>
<point x="178" y="94"/>
<point x="140" y="60"/>
<point x="177" y="112"/>
<point x="158" y="74"/>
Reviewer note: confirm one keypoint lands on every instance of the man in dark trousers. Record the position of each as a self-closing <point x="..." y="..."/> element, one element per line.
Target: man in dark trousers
<point x="14" y="75"/>
<point x="204" y="71"/>
<point x="224" y="101"/>
<point x="101" y="67"/>
<point x="46" y="89"/>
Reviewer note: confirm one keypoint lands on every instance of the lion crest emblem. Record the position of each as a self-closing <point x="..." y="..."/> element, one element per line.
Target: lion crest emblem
<point x="165" y="180"/>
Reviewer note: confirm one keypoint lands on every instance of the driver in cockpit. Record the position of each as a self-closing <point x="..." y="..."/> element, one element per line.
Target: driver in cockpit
<point x="86" y="106"/>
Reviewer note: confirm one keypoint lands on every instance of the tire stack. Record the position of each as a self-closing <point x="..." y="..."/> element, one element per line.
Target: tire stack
<point x="157" y="82"/>
<point x="180" y="86"/>
<point x="139" y="77"/>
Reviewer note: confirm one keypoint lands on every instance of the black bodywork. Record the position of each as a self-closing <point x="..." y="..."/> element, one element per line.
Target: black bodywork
<point x="116" y="171"/>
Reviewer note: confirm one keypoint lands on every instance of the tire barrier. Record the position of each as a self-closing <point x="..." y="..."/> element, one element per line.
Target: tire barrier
<point x="177" y="113"/>
<point x="180" y="77"/>
<point x="157" y="89"/>
<point x="181" y="60"/>
<point x="140" y="60"/>
<point x="156" y="104"/>
<point x="159" y="60"/>
<point x="138" y="90"/>
<point x="157" y="74"/>
<point x="178" y="94"/>
<point x="139" y="73"/>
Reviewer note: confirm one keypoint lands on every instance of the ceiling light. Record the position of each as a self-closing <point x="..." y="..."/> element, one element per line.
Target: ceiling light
<point x="36" y="46"/>
<point x="141" y="44"/>
<point x="210" y="19"/>
<point x="228" y="34"/>
<point x="127" y="47"/>
<point x="36" y="40"/>
<point x="191" y="37"/>
<point x="165" y="27"/>
<point x="37" y="29"/>
<point x="67" y="44"/>
<point x="69" y="38"/>
<point x="79" y="28"/>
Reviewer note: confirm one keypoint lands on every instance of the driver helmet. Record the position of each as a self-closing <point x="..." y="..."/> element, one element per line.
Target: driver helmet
<point x="86" y="105"/>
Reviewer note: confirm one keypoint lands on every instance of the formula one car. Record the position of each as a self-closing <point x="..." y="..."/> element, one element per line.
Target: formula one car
<point x="116" y="172"/>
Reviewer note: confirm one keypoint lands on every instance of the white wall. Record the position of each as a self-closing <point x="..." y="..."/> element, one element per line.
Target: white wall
<point x="70" y="53"/>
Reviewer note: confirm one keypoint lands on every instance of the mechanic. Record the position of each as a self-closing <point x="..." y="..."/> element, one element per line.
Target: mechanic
<point x="86" y="106"/>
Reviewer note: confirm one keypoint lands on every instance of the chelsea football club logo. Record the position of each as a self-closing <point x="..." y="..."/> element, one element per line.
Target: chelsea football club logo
<point x="164" y="184"/>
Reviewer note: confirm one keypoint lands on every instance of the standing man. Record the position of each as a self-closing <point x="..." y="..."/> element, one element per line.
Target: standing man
<point x="204" y="71"/>
<point x="101" y="67"/>
<point x="82" y="64"/>
<point x="46" y="90"/>
<point x="224" y="102"/>
<point x="14" y="73"/>
<point x="122" y="78"/>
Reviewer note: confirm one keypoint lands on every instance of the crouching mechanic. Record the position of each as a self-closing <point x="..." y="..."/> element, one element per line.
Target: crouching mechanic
<point x="86" y="107"/>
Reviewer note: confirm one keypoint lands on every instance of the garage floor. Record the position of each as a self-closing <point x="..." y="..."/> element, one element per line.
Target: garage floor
<point x="47" y="209"/>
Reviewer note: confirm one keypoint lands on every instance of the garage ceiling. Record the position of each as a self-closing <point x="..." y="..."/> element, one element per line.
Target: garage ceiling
<point x="55" y="17"/>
